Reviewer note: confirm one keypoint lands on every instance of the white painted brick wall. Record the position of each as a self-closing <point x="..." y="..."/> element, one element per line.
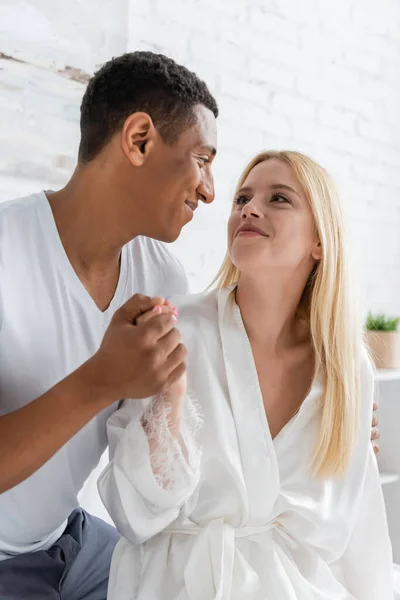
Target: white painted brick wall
<point x="313" y="76"/>
<point x="50" y="44"/>
<point x="318" y="77"/>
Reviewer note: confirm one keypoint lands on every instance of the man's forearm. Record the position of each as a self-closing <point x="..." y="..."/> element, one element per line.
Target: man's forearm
<point x="30" y="436"/>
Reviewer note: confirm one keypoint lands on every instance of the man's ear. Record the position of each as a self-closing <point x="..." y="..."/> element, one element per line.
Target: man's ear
<point x="138" y="136"/>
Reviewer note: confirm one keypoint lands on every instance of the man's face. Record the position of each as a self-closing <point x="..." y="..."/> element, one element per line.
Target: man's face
<point x="176" y="177"/>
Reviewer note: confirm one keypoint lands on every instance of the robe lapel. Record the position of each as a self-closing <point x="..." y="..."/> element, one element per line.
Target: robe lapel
<point x="256" y="446"/>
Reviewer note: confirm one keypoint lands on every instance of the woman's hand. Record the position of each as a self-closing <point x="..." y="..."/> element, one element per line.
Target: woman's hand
<point x="165" y="412"/>
<point x="175" y="393"/>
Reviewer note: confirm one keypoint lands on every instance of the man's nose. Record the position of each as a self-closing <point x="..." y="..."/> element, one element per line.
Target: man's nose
<point x="206" y="189"/>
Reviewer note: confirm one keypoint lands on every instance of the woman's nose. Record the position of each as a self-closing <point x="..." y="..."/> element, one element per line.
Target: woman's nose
<point x="251" y="210"/>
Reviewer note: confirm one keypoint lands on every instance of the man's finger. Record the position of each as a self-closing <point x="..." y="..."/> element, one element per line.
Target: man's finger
<point x="157" y="310"/>
<point x="136" y="306"/>
<point x="176" y="374"/>
<point x="160" y="326"/>
<point x="375" y="434"/>
<point x="176" y="358"/>
<point x="168" y="344"/>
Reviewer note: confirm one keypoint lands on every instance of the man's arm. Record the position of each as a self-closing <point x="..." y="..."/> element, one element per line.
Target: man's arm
<point x="132" y="362"/>
<point x="30" y="436"/>
<point x="375" y="433"/>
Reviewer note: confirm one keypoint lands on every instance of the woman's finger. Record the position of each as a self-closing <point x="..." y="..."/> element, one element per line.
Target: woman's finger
<point x="157" y="310"/>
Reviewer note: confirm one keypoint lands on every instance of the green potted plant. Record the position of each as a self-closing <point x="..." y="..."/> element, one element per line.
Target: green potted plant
<point x="383" y="340"/>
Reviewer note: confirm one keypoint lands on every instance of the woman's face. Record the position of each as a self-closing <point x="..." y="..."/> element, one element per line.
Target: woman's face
<point x="271" y="224"/>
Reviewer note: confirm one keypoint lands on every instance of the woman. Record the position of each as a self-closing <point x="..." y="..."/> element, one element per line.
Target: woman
<point x="283" y="500"/>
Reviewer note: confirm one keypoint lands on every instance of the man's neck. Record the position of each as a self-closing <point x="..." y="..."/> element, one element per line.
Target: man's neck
<point x="91" y="233"/>
<point x="87" y="225"/>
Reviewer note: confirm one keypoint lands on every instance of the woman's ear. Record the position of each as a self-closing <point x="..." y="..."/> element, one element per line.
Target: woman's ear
<point x="316" y="252"/>
<point x="137" y="138"/>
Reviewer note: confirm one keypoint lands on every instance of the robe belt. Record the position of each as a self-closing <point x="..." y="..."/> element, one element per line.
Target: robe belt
<point x="215" y="570"/>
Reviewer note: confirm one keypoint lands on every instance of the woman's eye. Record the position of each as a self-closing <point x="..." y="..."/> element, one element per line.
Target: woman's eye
<point x="241" y="200"/>
<point x="279" y="199"/>
<point x="204" y="160"/>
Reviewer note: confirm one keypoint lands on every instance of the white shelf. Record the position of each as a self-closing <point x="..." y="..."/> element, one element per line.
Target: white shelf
<point x="387" y="478"/>
<point x="387" y="375"/>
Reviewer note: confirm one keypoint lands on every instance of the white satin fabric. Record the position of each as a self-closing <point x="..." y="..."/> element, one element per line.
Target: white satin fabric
<point x="247" y="521"/>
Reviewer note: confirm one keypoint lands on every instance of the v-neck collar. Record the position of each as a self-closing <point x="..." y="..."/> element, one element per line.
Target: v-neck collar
<point x="260" y="467"/>
<point x="314" y="389"/>
<point x="49" y="227"/>
<point x="258" y="449"/>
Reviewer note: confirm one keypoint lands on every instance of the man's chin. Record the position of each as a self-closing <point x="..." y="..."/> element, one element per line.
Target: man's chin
<point x="170" y="236"/>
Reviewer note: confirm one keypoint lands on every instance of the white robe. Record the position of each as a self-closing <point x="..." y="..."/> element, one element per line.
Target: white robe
<point x="247" y="521"/>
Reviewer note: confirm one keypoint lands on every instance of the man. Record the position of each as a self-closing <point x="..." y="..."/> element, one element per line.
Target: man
<point x="68" y="261"/>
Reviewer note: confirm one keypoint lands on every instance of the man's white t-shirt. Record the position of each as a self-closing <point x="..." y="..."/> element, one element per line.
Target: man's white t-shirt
<point x="49" y="325"/>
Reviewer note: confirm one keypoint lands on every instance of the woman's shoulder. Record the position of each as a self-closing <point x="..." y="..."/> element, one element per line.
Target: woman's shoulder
<point x="203" y="304"/>
<point x="196" y="312"/>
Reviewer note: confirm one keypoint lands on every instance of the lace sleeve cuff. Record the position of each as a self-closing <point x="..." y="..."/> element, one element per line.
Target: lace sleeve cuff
<point x="175" y="456"/>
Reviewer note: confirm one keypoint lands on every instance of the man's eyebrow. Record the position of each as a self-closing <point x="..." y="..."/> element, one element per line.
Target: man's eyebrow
<point x="208" y="148"/>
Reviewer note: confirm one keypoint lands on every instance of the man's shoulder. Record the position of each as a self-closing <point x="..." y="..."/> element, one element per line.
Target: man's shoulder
<point x="20" y="204"/>
<point x="153" y="249"/>
<point x="156" y="262"/>
<point x="19" y="211"/>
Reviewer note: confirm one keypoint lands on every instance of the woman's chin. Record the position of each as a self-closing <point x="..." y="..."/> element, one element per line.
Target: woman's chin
<point x="247" y="259"/>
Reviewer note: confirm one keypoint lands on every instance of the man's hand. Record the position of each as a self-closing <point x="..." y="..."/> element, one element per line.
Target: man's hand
<point x="169" y="403"/>
<point x="177" y="389"/>
<point x="133" y="361"/>
<point x="375" y="433"/>
<point x="139" y="357"/>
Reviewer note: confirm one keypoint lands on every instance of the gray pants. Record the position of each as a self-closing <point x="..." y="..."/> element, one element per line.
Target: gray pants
<point x="75" y="568"/>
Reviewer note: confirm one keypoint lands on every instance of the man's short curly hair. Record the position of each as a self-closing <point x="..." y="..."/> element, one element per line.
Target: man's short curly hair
<point x="145" y="82"/>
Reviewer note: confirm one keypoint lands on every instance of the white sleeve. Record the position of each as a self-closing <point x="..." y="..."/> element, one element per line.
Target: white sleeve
<point x="182" y="285"/>
<point x="396" y="582"/>
<point x="171" y="276"/>
<point x="144" y="493"/>
<point x="367" y="565"/>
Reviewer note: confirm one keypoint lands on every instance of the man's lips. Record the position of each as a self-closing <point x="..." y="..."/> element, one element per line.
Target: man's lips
<point x="191" y="205"/>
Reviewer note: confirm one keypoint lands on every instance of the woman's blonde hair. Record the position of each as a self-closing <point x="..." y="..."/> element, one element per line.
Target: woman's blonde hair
<point x="328" y="304"/>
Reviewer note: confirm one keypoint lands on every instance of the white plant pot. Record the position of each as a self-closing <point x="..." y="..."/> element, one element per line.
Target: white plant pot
<point x="385" y="348"/>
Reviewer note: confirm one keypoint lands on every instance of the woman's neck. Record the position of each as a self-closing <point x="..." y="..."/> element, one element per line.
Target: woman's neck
<point x="269" y="312"/>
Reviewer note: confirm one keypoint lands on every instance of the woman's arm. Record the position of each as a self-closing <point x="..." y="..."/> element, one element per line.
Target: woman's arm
<point x="154" y="461"/>
<point x="366" y="566"/>
<point x="153" y="468"/>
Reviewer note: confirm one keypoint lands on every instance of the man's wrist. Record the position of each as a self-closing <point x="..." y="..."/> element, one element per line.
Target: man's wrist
<point x="91" y="388"/>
